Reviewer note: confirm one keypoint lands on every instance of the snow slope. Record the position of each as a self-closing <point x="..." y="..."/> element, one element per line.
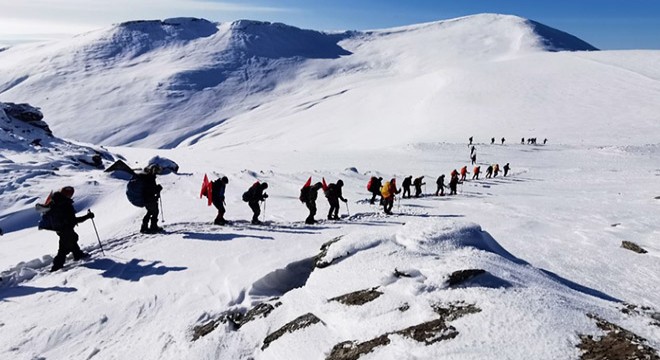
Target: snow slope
<point x="381" y="103"/>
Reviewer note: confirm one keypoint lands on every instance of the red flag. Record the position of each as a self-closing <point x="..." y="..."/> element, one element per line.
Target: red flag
<point x="209" y="192"/>
<point x="47" y="202"/>
<point x="308" y="183"/>
<point x="205" y="185"/>
<point x="325" y="186"/>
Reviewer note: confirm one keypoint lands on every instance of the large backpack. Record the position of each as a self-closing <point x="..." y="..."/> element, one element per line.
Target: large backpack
<point x="135" y="190"/>
<point x="249" y="194"/>
<point x="370" y="184"/>
<point x="50" y="219"/>
<point x="385" y="190"/>
<point x="304" y="194"/>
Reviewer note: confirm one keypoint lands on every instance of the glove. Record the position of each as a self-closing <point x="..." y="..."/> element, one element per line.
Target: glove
<point x="90" y="215"/>
<point x="345" y="200"/>
<point x="265" y="196"/>
<point x="159" y="188"/>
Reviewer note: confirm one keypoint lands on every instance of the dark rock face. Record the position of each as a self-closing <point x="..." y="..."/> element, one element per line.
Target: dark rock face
<point x="234" y="319"/>
<point x="360" y="297"/>
<point x="301" y="322"/>
<point x="633" y="247"/>
<point x="461" y="276"/>
<point x="428" y="332"/>
<point x="617" y="343"/>
<point x="27" y="114"/>
<point x="318" y="260"/>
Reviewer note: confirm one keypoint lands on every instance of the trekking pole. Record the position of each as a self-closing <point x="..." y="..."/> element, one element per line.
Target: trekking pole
<point x="264" y="210"/>
<point x="162" y="211"/>
<point x="348" y="211"/>
<point x="89" y="211"/>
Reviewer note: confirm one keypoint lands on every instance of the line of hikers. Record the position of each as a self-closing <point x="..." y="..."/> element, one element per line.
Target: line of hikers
<point x="59" y="215"/>
<point x="530" y="141"/>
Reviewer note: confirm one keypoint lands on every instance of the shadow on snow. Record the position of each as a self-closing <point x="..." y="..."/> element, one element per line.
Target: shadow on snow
<point x="132" y="270"/>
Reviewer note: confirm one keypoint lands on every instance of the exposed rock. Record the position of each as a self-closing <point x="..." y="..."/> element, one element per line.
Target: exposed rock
<point x="400" y="274"/>
<point x="27" y="114"/>
<point x="617" y="343"/>
<point x="461" y="276"/>
<point x="405" y="307"/>
<point x="301" y="322"/>
<point x="632" y="247"/>
<point x="234" y="318"/>
<point x="360" y="297"/>
<point x="428" y="332"/>
<point x="318" y="259"/>
<point x="350" y="350"/>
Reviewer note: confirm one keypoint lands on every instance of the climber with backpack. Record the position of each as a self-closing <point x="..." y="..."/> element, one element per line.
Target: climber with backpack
<point x="453" y="182"/>
<point x="218" y="198"/>
<point x="253" y="196"/>
<point x="373" y="186"/>
<point x="407" y="182"/>
<point x="334" y="194"/>
<point x="464" y="173"/>
<point x="440" y="182"/>
<point x="476" y="171"/>
<point x="418" y="185"/>
<point x="143" y="191"/>
<point x="308" y="195"/>
<point x="60" y="216"/>
<point x="388" y="191"/>
<point x="506" y="169"/>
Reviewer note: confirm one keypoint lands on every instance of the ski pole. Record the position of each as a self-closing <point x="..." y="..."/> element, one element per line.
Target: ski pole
<point x="348" y="211"/>
<point x="162" y="211"/>
<point x="89" y="211"/>
<point x="264" y="210"/>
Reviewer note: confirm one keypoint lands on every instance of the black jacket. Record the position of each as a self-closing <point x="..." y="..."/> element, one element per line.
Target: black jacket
<point x="62" y="208"/>
<point x="334" y="192"/>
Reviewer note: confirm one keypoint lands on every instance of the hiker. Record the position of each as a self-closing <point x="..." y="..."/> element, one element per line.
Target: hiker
<point x="253" y="196"/>
<point x="333" y="193"/>
<point x="387" y="192"/>
<point x="492" y="141"/>
<point x="418" y="185"/>
<point x="453" y="182"/>
<point x="472" y="150"/>
<point x="489" y="171"/>
<point x="463" y="173"/>
<point x="62" y="209"/>
<point x="150" y="194"/>
<point x="502" y="141"/>
<point x="309" y="194"/>
<point x="522" y="141"/>
<point x="474" y="159"/>
<point x="373" y="186"/>
<point x="506" y="169"/>
<point x="496" y="170"/>
<point x="545" y="141"/>
<point x="441" y="185"/>
<point x="476" y="171"/>
<point x="406" y="186"/>
<point x="218" y="198"/>
<point x="470" y="138"/>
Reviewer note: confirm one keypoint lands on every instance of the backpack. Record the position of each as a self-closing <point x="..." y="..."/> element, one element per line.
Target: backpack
<point x="304" y="194"/>
<point x="135" y="190"/>
<point x="370" y="184"/>
<point x="385" y="190"/>
<point x="50" y="220"/>
<point x="249" y="194"/>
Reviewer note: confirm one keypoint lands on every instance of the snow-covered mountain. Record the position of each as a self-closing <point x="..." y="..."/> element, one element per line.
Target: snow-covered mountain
<point x="179" y="81"/>
<point x="534" y="265"/>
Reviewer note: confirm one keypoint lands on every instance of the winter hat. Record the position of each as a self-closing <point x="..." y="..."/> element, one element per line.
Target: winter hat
<point x="225" y="180"/>
<point x="340" y="183"/>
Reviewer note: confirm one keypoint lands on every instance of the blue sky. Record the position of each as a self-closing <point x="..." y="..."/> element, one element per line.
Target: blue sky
<point x="606" y="24"/>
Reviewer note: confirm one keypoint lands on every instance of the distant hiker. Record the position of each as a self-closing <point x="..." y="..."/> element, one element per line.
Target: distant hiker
<point x="496" y="170"/>
<point x="492" y="141"/>
<point x="406" y="186"/>
<point x="545" y="141"/>
<point x="61" y="207"/>
<point x="373" y="186"/>
<point x="472" y="150"/>
<point x="502" y="141"/>
<point x="453" y="183"/>
<point x="150" y="195"/>
<point x="253" y="196"/>
<point x="506" y="169"/>
<point x="387" y="192"/>
<point x="218" y="197"/>
<point x="333" y="193"/>
<point x="418" y="185"/>
<point x="476" y="171"/>
<point x="440" y="182"/>
<point x="470" y="140"/>
<point x="522" y="141"/>
<point x="474" y="159"/>
<point x="463" y="173"/>
<point x="489" y="172"/>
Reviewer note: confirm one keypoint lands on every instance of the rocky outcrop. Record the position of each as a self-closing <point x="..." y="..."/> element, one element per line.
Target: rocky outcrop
<point x="27" y="114"/>
<point x="633" y="247"/>
<point x="617" y="343"/>
<point x="360" y="297"/>
<point x="300" y="322"/>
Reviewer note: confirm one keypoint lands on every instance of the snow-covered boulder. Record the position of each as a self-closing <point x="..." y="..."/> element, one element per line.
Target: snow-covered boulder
<point x="167" y="165"/>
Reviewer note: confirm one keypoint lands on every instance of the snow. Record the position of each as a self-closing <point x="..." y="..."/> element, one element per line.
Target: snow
<point x="222" y="99"/>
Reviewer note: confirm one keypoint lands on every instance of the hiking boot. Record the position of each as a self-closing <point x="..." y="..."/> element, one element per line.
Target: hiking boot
<point x="256" y="222"/>
<point x="220" y="222"/>
<point x="155" y="229"/>
<point x="83" y="255"/>
<point x="56" y="267"/>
